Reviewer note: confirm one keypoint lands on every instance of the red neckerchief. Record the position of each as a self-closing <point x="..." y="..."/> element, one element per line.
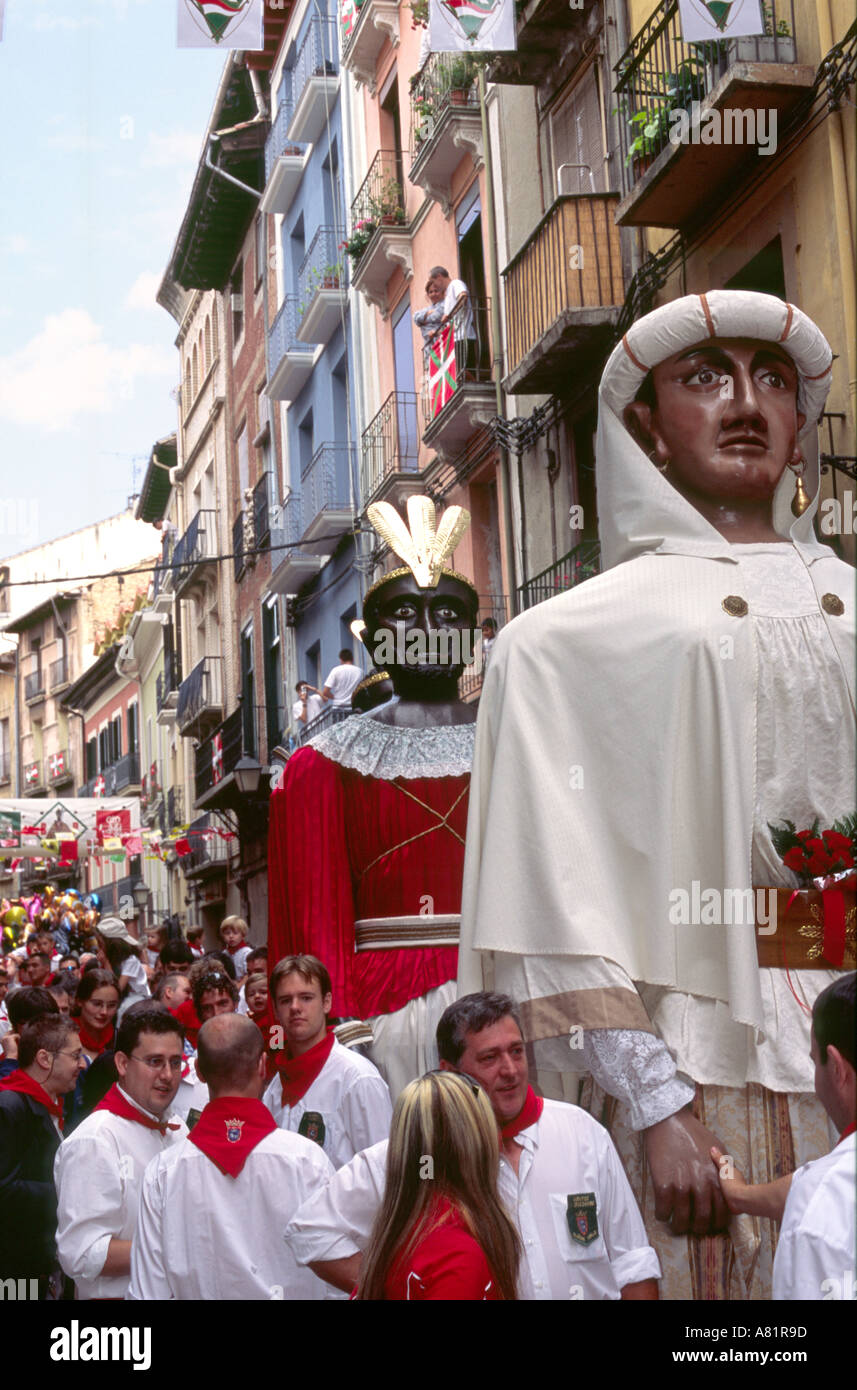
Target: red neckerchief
<point x="298" y="1073"/>
<point x="116" y="1104"/>
<point x="189" y="1020"/>
<point x="229" y="1129"/>
<point x="26" y="1085"/>
<point x="96" y="1040"/>
<point x="233" y="950"/>
<point x="530" y="1111"/>
<point x="845" y="1133"/>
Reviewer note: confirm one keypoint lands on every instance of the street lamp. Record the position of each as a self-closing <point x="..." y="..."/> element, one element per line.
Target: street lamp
<point x="248" y="774"/>
<point x="140" y="894"/>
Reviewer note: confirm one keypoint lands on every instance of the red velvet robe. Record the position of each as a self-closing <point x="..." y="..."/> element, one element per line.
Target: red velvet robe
<point x="344" y="847"/>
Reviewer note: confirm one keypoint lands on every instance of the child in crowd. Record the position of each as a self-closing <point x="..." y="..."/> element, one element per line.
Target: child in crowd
<point x="233" y="934"/>
<point x="194" y="941"/>
<point x="120" y="952"/>
<point x="156" y="940"/>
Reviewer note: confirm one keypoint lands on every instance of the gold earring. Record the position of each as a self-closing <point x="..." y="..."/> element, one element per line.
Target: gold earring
<point x="801" y="499"/>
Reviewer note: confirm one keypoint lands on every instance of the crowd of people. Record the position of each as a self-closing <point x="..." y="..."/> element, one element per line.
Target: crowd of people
<point x="195" y="1129"/>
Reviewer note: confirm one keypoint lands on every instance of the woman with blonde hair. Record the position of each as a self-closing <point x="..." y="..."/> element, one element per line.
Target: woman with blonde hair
<point x="442" y="1232"/>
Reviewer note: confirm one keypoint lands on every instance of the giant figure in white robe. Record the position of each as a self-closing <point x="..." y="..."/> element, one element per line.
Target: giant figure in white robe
<point x="636" y="738"/>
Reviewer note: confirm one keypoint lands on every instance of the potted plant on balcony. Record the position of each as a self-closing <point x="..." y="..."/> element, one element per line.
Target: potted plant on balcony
<point x="362" y="234"/>
<point x="462" y="73"/>
<point x="387" y="203"/>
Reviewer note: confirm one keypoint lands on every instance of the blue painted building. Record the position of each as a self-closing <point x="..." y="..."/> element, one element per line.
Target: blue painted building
<point x="310" y="360"/>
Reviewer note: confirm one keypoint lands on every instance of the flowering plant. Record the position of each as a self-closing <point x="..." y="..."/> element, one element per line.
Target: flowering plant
<point x="360" y="237"/>
<point x="813" y="854"/>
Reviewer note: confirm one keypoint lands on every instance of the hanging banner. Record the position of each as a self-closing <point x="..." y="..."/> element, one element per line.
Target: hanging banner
<point x="112" y="824"/>
<point x="475" y="26"/>
<point x="26" y="826"/>
<point x="705" y="20"/>
<point x="221" y="24"/>
<point x="441" y="370"/>
<point x="348" y="12"/>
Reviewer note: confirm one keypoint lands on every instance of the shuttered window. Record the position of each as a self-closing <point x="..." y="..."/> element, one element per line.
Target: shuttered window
<point x="575" y="128"/>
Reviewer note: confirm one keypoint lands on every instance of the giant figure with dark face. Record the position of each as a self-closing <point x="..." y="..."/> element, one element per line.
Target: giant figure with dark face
<point x="366" y="847"/>
<point x="622" y="876"/>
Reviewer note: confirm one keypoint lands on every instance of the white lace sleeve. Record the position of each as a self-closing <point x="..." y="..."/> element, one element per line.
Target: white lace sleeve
<point x="636" y="1068"/>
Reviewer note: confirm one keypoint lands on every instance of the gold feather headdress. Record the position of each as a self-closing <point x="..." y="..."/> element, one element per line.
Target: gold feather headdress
<point x="422" y="544"/>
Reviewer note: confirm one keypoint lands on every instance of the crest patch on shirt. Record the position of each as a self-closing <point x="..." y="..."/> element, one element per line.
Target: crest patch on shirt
<point x="582" y="1217"/>
<point x="233" y="1130"/>
<point x="312" y="1126"/>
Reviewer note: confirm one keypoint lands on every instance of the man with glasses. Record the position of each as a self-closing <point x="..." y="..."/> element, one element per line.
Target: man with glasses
<point x="50" y="1059"/>
<point x="99" y="1168"/>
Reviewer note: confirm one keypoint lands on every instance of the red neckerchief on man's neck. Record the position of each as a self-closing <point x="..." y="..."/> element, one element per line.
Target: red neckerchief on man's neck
<point x="530" y="1111"/>
<point x="95" y="1039"/>
<point x="298" y="1073"/>
<point x="116" y="1104"/>
<point x="25" y="1085"/>
<point x="849" y="1130"/>
<point x="229" y="1129"/>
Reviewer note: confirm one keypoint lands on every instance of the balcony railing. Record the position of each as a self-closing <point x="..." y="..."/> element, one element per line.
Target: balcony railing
<point x="322" y="270"/>
<point x="278" y="143"/>
<point x="289" y="358"/>
<point x="572" y="262"/>
<point x="390" y="443"/>
<point x="208" y="849"/>
<point x="198" y="544"/>
<point x="34" y="685"/>
<point x="115" y="777"/>
<point x="331" y="714"/>
<point x="380" y="199"/>
<point x="201" y="694"/>
<point x="314" y="80"/>
<point x="447" y="82"/>
<point x="579" y="564"/>
<point x="326" y="488"/>
<point x="659" y="75"/>
<point x="459" y="354"/>
<point x="60" y="673"/>
<point x="365" y="27"/>
<point x="494" y="606"/>
<point x="169" y="680"/>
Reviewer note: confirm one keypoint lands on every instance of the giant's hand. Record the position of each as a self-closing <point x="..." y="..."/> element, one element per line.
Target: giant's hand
<point x="686" y="1185"/>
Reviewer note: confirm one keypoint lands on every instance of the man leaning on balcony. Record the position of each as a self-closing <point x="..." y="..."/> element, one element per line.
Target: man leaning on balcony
<point x="458" y="310"/>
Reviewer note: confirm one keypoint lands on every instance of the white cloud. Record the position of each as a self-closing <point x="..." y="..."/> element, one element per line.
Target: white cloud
<point x="142" y="293"/>
<point x="173" y="149"/>
<point x="67" y="370"/>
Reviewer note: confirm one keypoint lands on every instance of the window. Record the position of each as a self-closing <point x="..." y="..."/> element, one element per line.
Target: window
<point x="236" y="302"/>
<point x="576" y="139"/>
<point x="194" y="375"/>
<point x="115" y="738"/>
<point x="133" y="723"/>
<point x="243" y="458"/>
<point x="248" y="690"/>
<point x="103" y="748"/>
<point x="91" y="758"/>
<point x="261" y="247"/>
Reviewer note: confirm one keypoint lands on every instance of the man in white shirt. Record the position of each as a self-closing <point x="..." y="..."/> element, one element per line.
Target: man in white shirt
<point x="212" y="1208"/>
<point x="817" y="1203"/>
<point x="322" y="1090"/>
<point x="560" y="1178"/>
<point x="456" y="301"/>
<point x="100" y="1166"/>
<point x="308" y="704"/>
<point x="342" y="680"/>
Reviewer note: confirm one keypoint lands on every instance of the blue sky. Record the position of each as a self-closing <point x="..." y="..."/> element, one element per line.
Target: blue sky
<point x="101" y="125"/>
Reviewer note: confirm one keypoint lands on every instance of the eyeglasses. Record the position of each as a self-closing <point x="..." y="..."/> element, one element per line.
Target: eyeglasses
<point x="158" y="1063"/>
<point x="75" y="1056"/>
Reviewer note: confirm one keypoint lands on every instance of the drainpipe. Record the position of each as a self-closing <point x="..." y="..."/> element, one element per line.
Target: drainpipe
<point x="844" y="229"/>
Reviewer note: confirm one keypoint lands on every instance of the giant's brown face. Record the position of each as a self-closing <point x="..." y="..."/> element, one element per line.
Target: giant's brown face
<point x="725" y="420"/>
<point x="420" y="635"/>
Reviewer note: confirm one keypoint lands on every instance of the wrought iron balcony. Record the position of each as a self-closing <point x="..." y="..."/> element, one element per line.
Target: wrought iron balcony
<point x="209" y="852"/>
<point x="197" y="548"/>
<point x="330" y="715"/>
<point x="34" y="686"/>
<point x="669" y="93"/>
<point x="200" y="702"/>
<point x="162" y="584"/>
<point x="445" y="123"/>
<point x="249" y="731"/>
<point x="34" y="778"/>
<point x="579" y="564"/>
<point x="326" y="491"/>
<point x="458" y="396"/>
<point x="322" y="291"/>
<point x="364" y="29"/>
<point x="173" y="816"/>
<point x="380" y="240"/>
<point x="495" y="606"/>
<point x="60" y="674"/>
<point x="285" y="159"/>
<point x="291" y="566"/>
<point x="168" y="682"/>
<point x="262" y="513"/>
<point x="390" y="448"/>
<point x="238" y="560"/>
<point x="116" y="777"/>
<point x="290" y="359"/>
<point x="315" y="81"/>
<point x="564" y="290"/>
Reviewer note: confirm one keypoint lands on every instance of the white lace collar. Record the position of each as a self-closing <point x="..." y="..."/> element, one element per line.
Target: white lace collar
<point x="389" y="750"/>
